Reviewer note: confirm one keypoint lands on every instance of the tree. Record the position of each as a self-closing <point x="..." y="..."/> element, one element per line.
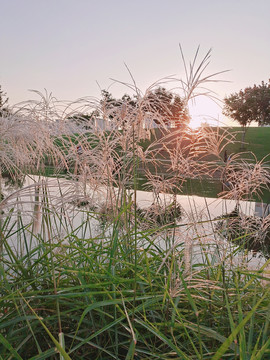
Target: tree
<point x="3" y="102"/>
<point x="179" y="111"/>
<point x="165" y="107"/>
<point x="262" y="96"/>
<point x="168" y="106"/>
<point x="250" y="104"/>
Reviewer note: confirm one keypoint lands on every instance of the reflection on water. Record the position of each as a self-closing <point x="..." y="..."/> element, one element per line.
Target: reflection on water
<point x="262" y="209"/>
<point x="54" y="202"/>
<point x="60" y="194"/>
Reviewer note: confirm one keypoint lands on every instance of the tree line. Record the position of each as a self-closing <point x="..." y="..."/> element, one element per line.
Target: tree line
<point x="245" y="106"/>
<point x="167" y="106"/>
<point x="3" y="102"/>
<point x="250" y="104"/>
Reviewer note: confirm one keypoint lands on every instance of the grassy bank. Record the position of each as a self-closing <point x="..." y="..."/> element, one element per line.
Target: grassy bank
<point x="256" y="148"/>
<point x="256" y="141"/>
<point x="127" y="293"/>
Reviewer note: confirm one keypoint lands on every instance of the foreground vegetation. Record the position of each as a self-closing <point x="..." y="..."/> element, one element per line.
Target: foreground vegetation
<point x="127" y="296"/>
<point x="88" y="271"/>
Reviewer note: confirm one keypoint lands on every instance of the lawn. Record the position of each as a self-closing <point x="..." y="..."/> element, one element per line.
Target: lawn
<point x="257" y="140"/>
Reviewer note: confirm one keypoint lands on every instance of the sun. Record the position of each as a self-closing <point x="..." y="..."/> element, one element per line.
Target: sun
<point x="204" y="111"/>
<point x="196" y="122"/>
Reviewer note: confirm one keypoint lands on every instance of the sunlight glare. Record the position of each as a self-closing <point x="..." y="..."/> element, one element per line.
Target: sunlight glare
<point x="204" y="111"/>
<point x="196" y="122"/>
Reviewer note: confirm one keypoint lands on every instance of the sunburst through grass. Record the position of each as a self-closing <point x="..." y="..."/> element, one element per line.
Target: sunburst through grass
<point x="94" y="267"/>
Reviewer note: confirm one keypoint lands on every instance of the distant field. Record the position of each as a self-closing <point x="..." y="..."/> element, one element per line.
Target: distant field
<point x="257" y="140"/>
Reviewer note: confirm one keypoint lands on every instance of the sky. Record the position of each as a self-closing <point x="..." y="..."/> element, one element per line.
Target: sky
<point x="74" y="48"/>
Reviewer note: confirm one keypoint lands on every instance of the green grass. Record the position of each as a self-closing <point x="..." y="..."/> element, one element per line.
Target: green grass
<point x="257" y="141"/>
<point x="124" y="296"/>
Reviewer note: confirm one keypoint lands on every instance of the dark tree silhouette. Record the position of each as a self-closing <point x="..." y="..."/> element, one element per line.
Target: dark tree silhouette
<point x="3" y="102"/>
<point x="168" y="106"/>
<point x="250" y="104"/>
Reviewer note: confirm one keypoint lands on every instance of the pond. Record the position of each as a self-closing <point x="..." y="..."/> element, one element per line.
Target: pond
<point x="60" y="191"/>
<point x="73" y="208"/>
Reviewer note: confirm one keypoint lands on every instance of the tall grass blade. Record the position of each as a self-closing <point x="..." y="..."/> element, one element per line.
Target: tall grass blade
<point x="8" y="346"/>
<point x="223" y="348"/>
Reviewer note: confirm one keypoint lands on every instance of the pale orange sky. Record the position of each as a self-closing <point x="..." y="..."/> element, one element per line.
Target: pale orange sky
<point x="68" y="46"/>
